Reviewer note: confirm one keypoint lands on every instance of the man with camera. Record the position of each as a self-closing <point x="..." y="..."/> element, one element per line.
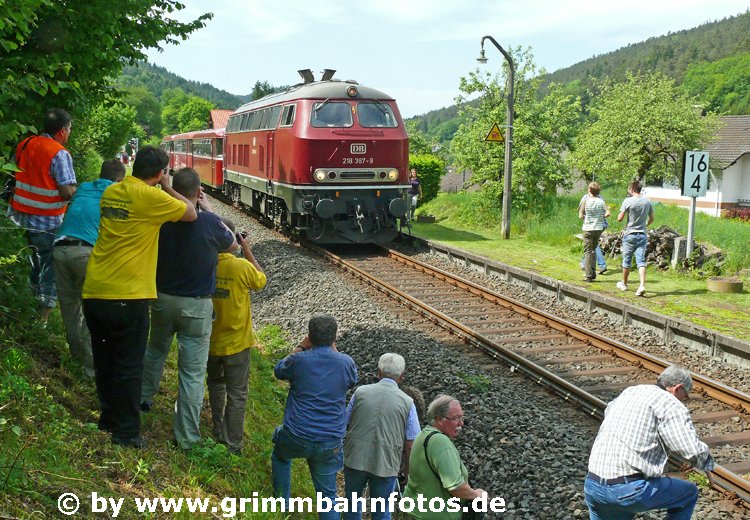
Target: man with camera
<point x="232" y="338"/>
<point x="185" y="283"/>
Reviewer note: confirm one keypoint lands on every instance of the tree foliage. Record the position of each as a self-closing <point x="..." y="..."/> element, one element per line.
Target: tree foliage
<point x="543" y="128"/>
<point x="184" y="112"/>
<point x="639" y="129"/>
<point x="417" y="140"/>
<point x="158" y="79"/>
<point x="430" y="169"/>
<point x="147" y="108"/>
<point x="723" y="85"/>
<point x="63" y="52"/>
<point x="671" y="54"/>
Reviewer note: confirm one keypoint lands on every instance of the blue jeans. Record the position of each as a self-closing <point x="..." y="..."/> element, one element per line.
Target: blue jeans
<point x="325" y="459"/>
<point x="380" y="487"/>
<point x="42" y="277"/>
<point x="624" y="501"/>
<point x="634" y="242"/>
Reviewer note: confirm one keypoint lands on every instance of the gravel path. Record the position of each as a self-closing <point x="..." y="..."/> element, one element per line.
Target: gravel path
<point x="519" y="442"/>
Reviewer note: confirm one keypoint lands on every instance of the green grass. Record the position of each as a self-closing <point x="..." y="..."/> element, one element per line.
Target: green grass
<point x="544" y="242"/>
<point x="49" y="443"/>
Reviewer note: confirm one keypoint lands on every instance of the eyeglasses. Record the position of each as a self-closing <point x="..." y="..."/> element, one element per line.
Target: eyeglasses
<point x="459" y="418"/>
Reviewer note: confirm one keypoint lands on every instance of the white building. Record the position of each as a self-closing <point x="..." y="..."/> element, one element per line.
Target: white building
<point x="729" y="184"/>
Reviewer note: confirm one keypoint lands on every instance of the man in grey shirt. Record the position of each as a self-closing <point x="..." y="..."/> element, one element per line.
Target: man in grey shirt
<point x="635" y="237"/>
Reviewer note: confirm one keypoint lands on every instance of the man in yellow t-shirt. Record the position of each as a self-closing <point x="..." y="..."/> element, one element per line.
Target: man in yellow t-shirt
<point x="120" y="281"/>
<point x="232" y="337"/>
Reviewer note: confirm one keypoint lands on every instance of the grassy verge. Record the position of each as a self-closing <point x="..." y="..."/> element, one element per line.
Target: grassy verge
<point x="544" y="242"/>
<point x="49" y="444"/>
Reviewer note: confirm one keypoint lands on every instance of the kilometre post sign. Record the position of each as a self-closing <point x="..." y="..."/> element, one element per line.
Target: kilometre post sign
<point x="695" y="174"/>
<point x="495" y="135"/>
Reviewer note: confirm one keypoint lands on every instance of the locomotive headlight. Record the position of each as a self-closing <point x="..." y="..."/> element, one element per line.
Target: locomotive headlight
<point x="392" y="175"/>
<point x="319" y="175"/>
<point x="352" y="91"/>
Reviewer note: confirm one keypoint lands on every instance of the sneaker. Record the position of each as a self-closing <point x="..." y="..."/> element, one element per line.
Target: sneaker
<point x="603" y="270"/>
<point x="146" y="407"/>
<point x="641" y="289"/>
<point x="622" y="286"/>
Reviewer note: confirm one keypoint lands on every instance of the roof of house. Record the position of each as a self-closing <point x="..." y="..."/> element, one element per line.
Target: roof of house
<point x="219" y="118"/>
<point x="732" y="140"/>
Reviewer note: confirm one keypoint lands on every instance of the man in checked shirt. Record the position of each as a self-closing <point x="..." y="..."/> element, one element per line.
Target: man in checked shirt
<point x="641" y="427"/>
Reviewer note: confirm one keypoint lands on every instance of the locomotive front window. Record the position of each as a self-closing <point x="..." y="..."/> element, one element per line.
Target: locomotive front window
<point x="331" y="114"/>
<point x="376" y="115"/>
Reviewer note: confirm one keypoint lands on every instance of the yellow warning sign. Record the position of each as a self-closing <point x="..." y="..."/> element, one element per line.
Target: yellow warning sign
<point x="495" y="135"/>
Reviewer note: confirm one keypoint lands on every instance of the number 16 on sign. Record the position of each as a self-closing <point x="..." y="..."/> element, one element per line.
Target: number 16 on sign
<point x="694" y="184"/>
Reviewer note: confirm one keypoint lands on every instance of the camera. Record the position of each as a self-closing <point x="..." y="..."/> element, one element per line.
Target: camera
<point x="241" y="235"/>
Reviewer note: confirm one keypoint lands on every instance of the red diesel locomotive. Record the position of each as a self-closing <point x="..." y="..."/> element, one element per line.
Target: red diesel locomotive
<point x="325" y="158"/>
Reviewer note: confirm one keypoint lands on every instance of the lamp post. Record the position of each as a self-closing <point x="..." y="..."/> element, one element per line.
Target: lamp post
<point x="508" y="134"/>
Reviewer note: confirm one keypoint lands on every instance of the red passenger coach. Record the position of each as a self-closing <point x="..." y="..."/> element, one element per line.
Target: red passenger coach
<point x="327" y="158"/>
<point x="203" y="151"/>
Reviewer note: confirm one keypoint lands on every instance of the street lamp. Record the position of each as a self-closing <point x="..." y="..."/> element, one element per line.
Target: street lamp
<point x="508" y="134"/>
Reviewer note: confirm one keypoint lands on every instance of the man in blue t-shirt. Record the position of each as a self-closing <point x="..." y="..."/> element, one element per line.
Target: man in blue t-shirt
<point x="72" y="249"/>
<point x="185" y="282"/>
<point x="315" y="414"/>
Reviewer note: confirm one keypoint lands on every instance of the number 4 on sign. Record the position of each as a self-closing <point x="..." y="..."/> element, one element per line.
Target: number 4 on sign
<point x="495" y="135"/>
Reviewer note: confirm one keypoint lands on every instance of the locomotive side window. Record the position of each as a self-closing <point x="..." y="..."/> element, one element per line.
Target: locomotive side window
<point x="273" y="120"/>
<point x="287" y="117"/>
<point x="376" y="115"/>
<point x="331" y="114"/>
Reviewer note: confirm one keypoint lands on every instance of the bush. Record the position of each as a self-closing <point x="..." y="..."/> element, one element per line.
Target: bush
<point x="737" y="214"/>
<point x="429" y="170"/>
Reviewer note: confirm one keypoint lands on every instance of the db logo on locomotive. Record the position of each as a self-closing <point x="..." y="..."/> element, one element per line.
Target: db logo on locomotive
<point x="358" y="148"/>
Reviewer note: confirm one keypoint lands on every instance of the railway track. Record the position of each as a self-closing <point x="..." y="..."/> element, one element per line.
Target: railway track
<point x="579" y="365"/>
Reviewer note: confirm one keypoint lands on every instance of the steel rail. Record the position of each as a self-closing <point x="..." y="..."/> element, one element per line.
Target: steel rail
<point x="731" y="484"/>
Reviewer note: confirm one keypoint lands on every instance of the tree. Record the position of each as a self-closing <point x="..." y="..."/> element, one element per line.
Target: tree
<point x="417" y="140"/>
<point x="147" y="108"/>
<point x="63" y="52"/>
<point x="640" y="129"/>
<point x="723" y="85"/>
<point x="172" y="99"/>
<point x="262" y="89"/>
<point x="194" y="114"/>
<point x="543" y="128"/>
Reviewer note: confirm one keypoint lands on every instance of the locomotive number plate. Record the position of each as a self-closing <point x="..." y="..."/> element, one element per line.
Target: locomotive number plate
<point x="358" y="148"/>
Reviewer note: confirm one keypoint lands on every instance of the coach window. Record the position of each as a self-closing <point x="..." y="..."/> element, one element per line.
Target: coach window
<point x="376" y="115"/>
<point x="219" y="147"/>
<point x="287" y="116"/>
<point x="330" y="114"/>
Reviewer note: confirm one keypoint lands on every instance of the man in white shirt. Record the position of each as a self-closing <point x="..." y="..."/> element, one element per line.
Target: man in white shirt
<point x="641" y="427"/>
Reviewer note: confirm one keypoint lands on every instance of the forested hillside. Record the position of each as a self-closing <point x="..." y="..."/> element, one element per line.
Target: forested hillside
<point x="671" y="54"/>
<point x="712" y="61"/>
<point x="157" y="79"/>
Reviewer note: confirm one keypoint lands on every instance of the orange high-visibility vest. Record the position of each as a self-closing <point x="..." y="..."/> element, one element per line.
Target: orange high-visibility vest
<point x="36" y="190"/>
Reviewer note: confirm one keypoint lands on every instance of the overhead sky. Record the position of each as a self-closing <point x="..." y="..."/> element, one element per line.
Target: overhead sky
<point x="413" y="50"/>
